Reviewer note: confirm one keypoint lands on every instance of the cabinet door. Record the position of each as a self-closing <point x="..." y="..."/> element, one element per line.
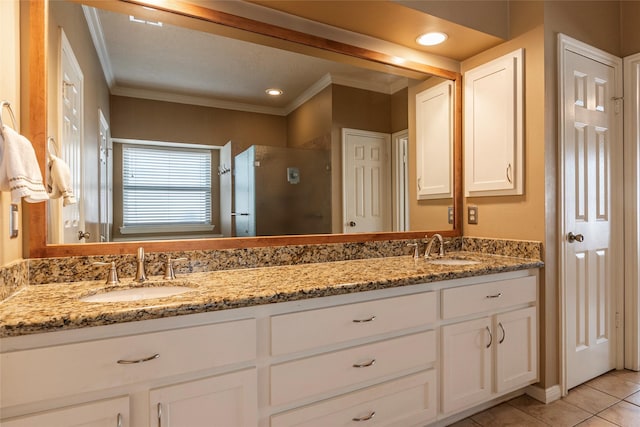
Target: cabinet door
<point x="466" y="364"/>
<point x="434" y="142"/>
<point x="224" y="400"/>
<point x="516" y="349"/>
<point x="105" y="413"/>
<point x="493" y="129"/>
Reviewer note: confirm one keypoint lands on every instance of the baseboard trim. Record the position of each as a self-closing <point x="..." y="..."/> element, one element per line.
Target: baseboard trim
<point x="544" y="395"/>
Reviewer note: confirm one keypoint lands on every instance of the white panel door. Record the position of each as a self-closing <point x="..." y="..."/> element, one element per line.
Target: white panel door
<point x="591" y="149"/>
<point x="225" y="400"/>
<point x="71" y="138"/>
<point x="365" y="181"/>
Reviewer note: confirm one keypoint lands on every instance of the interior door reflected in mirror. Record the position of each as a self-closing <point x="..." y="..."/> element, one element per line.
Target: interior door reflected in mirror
<point x="189" y="93"/>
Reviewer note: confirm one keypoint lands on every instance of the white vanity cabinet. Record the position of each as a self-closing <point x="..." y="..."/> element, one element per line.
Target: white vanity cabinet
<point x="404" y="356"/>
<point x="105" y="413"/>
<point x="390" y="343"/>
<point x="494" y="349"/>
<point x="133" y="365"/>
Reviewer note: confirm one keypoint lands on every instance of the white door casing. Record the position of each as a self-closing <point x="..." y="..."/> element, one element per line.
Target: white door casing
<point x="400" y="141"/>
<point x="226" y="190"/>
<point x="105" y="174"/>
<point x="366" y="189"/>
<point x="70" y="141"/>
<point x="632" y="208"/>
<point x="590" y="200"/>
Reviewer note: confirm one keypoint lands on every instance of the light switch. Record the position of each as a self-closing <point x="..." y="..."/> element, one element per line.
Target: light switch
<point x="472" y="214"/>
<point x="450" y="214"/>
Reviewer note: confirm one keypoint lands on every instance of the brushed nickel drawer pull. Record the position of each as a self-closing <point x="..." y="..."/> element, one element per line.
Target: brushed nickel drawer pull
<point x="504" y="334"/>
<point x="365" y="418"/>
<point x="131" y="362"/>
<point x="159" y="414"/>
<point x="365" y="365"/>
<point x="370" y="319"/>
<point x="119" y="420"/>
<point x="490" y="337"/>
<point x="498" y="295"/>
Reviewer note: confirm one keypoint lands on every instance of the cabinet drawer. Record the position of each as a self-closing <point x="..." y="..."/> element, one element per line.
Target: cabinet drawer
<point x="302" y="378"/>
<point x="466" y="300"/>
<point x="407" y="400"/>
<point x="316" y="328"/>
<point x="51" y="372"/>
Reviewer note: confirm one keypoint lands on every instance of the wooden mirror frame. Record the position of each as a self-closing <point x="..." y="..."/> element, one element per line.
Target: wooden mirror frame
<point x="35" y="108"/>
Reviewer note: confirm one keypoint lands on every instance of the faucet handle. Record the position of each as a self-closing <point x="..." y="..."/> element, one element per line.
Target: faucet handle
<point x="168" y="268"/>
<point x="112" y="276"/>
<point x="416" y="251"/>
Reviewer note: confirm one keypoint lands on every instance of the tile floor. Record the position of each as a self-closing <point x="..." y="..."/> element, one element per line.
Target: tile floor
<point x="610" y="400"/>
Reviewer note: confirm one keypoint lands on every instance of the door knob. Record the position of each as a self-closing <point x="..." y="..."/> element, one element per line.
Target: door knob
<point x="575" y="237"/>
<point x="83" y="235"/>
<point x="352" y="224"/>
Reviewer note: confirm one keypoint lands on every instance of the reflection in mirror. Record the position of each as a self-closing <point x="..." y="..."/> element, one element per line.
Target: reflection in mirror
<point x="267" y="165"/>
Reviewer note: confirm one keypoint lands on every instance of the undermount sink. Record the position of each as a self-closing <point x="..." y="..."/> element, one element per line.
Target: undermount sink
<point x="451" y="261"/>
<point x="137" y="293"/>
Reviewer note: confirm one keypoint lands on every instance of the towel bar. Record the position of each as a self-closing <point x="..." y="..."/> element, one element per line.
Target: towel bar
<point x="7" y="105"/>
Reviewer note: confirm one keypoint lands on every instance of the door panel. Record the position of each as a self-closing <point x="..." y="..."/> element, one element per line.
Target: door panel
<point x="592" y="152"/>
<point x="366" y="183"/>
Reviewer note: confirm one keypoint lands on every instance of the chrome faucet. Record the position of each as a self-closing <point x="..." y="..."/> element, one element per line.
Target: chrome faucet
<point x="427" y="251"/>
<point x="140" y="274"/>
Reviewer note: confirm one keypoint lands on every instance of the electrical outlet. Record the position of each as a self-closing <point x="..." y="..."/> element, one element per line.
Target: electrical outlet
<point x="450" y="214"/>
<point x="472" y="214"/>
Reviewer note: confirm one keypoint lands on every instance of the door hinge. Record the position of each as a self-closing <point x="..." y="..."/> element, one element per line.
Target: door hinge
<point x="617" y="319"/>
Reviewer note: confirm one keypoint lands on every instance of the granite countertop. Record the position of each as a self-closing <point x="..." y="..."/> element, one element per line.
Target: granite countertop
<point x="54" y="307"/>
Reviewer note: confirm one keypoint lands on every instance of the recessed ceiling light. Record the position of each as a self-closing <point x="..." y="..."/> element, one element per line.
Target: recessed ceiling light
<point x="274" y="92"/>
<point x="431" y="39"/>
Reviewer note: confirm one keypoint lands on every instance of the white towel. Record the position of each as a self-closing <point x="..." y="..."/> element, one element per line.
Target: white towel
<point x="19" y="169"/>
<point x="59" y="181"/>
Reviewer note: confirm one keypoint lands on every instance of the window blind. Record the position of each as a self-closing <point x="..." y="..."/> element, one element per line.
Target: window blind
<point x="166" y="189"/>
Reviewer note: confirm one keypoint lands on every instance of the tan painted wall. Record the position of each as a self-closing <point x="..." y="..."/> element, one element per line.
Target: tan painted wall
<point x="399" y="110"/>
<point x="70" y="18"/>
<point x="10" y="249"/>
<point x="136" y="118"/>
<point x="630" y="34"/>
<point x="309" y="124"/>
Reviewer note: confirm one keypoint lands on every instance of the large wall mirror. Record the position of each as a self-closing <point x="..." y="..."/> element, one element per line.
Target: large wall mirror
<point x="169" y="104"/>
